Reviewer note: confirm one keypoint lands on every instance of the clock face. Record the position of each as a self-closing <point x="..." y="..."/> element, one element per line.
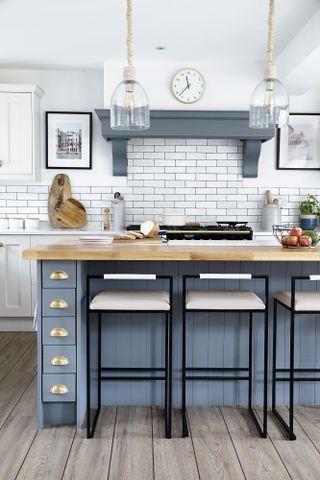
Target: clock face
<point x="188" y="85"/>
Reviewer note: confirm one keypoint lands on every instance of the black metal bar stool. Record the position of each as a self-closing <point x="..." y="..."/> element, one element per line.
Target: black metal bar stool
<point x="130" y="301"/>
<point x="306" y="302"/>
<point x="227" y="301"/>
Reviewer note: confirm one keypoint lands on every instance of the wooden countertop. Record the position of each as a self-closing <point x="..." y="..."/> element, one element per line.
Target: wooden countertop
<point x="72" y="250"/>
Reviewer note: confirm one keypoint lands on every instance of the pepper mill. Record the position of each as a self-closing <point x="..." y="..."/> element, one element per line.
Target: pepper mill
<point x="106" y="219"/>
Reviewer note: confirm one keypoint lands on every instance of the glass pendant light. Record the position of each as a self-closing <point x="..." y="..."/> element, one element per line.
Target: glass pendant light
<point x="269" y="102"/>
<point x="129" y="109"/>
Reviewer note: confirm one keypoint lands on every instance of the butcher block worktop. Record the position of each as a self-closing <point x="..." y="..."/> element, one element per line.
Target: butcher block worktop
<point x="73" y="250"/>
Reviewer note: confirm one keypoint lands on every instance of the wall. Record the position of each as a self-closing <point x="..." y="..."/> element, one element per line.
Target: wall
<point x="202" y="179"/>
<point x="70" y="90"/>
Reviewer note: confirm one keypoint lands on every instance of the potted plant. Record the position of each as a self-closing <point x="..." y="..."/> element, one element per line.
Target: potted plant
<point x="309" y="210"/>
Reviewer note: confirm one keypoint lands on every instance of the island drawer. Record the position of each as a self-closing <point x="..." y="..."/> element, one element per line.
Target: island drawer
<point x="59" y="274"/>
<point x="58" y="359"/>
<point x="58" y="331"/>
<point x="59" y="387"/>
<point x="58" y="302"/>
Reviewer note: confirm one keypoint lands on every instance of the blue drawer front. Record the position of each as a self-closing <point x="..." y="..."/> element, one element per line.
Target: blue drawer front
<point x="59" y="274"/>
<point x="58" y="331"/>
<point x="53" y="355"/>
<point x="59" y="381"/>
<point x="53" y="298"/>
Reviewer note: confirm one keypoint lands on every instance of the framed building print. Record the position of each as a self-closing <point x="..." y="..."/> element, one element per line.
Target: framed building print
<point x="68" y="140"/>
<point x="298" y="145"/>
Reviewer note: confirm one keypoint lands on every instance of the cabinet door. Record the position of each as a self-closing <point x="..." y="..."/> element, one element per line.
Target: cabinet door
<point x="15" y="277"/>
<point x="16" y="130"/>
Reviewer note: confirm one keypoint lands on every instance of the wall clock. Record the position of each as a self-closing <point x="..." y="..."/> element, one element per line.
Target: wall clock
<point x="188" y="85"/>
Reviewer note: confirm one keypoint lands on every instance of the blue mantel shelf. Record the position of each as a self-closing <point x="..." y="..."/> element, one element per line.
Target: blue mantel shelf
<point x="190" y="124"/>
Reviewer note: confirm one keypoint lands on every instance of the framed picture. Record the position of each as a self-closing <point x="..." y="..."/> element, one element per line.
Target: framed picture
<point x="68" y="140"/>
<point x="298" y="145"/>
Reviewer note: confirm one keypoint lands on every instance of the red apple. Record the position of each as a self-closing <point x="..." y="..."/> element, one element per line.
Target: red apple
<point x="285" y="240"/>
<point x="293" y="240"/>
<point x="305" y="241"/>
<point x="296" y="232"/>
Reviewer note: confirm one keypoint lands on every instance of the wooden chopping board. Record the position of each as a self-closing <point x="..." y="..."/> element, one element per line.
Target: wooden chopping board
<point x="72" y="214"/>
<point x="60" y="192"/>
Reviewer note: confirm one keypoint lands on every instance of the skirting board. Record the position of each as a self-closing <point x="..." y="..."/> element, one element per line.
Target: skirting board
<point x="16" y="324"/>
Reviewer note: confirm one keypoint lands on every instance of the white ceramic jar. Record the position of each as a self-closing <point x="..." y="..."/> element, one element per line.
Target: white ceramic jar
<point x="31" y="223"/>
<point x="16" y="223"/>
<point x="3" y="223"/>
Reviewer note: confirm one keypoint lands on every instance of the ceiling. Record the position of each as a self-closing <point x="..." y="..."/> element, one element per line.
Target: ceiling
<point x="84" y="33"/>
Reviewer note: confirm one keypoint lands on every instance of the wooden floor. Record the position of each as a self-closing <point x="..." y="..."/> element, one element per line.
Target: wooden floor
<point x="129" y="441"/>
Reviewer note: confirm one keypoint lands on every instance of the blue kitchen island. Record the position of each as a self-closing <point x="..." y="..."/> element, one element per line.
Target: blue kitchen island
<point x="136" y="340"/>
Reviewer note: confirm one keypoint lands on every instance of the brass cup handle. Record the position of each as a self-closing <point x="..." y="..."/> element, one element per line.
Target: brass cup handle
<point x="59" y="389"/>
<point x="59" y="361"/>
<point x="59" y="332"/>
<point x="1" y="163"/>
<point x="1" y="244"/>
<point x="59" y="275"/>
<point x="58" y="303"/>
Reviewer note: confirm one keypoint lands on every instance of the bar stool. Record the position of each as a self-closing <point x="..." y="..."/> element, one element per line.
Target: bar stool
<point x="133" y="301"/>
<point x="226" y="301"/>
<point x="306" y="302"/>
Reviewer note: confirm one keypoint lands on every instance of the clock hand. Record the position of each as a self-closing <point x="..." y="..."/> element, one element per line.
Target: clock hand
<point x="187" y="82"/>
<point x="183" y="90"/>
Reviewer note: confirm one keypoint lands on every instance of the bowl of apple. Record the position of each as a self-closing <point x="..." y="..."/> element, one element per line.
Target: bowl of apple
<point x="291" y="236"/>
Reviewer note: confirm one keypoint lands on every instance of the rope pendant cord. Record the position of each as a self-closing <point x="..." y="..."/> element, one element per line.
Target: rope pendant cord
<point x="129" y="32"/>
<point x="270" y="32"/>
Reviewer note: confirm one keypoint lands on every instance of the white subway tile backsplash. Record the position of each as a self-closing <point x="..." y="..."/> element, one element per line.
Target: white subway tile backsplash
<point x="200" y="178"/>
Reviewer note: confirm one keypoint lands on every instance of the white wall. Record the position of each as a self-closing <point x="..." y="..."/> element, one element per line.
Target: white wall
<point x="228" y="87"/>
<point x="72" y="90"/>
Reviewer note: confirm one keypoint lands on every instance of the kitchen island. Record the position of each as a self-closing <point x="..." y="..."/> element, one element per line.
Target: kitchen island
<point x="137" y="339"/>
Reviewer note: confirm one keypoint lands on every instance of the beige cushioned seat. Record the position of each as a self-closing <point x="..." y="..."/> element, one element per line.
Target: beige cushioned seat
<point x="223" y="300"/>
<point x="303" y="300"/>
<point x="131" y="300"/>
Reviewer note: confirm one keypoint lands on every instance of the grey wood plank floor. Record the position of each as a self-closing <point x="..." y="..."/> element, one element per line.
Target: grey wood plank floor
<point x="129" y="443"/>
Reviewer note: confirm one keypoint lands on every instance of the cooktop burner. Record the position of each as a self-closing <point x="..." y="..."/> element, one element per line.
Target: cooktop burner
<point x="222" y="230"/>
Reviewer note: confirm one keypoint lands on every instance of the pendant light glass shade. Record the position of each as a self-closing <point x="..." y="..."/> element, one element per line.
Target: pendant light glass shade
<point x="269" y="104"/>
<point x="129" y="108"/>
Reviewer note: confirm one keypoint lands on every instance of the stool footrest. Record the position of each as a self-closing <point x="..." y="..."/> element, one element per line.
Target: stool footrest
<point x="215" y="377"/>
<point x="305" y="370"/>
<point x="128" y="378"/>
<point x="217" y="369"/>
<point x="297" y="379"/>
<point x="133" y="369"/>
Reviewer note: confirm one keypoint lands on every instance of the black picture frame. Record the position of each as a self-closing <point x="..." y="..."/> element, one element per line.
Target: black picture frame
<point x="68" y="160"/>
<point x="305" y="143"/>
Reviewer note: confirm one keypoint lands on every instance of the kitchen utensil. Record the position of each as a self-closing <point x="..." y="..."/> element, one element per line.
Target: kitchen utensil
<point x="269" y="197"/>
<point x="119" y="212"/>
<point x="72" y="214"/>
<point x="60" y="192"/>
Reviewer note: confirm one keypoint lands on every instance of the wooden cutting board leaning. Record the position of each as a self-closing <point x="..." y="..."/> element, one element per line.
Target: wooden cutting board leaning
<point x="63" y="210"/>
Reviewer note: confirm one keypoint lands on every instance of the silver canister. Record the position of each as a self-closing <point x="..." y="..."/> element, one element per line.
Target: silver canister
<point x="119" y="212"/>
<point x="271" y="215"/>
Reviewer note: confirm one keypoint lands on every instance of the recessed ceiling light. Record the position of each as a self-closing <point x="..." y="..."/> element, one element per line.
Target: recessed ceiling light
<point x="161" y="47"/>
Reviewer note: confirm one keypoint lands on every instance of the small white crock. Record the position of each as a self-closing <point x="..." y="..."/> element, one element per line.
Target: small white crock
<point x="16" y="223"/>
<point x="31" y="223"/>
<point x="3" y="223"/>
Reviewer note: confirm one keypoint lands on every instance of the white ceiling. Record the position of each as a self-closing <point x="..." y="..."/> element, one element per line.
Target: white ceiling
<point x="84" y="33"/>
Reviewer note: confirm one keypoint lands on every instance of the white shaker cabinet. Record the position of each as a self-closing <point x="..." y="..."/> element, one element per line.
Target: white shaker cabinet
<point x="20" y="132"/>
<point x="15" y="277"/>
